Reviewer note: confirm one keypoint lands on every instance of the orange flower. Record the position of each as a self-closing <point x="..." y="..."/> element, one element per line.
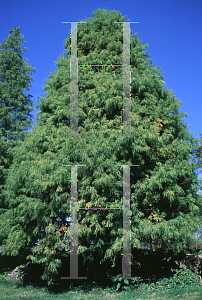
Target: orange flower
<point x="63" y="228"/>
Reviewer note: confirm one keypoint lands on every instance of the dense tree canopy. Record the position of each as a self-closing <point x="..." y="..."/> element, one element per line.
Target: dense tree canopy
<point x="164" y="203"/>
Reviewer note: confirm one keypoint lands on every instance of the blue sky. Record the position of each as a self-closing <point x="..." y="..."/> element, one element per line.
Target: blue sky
<point x="171" y="28"/>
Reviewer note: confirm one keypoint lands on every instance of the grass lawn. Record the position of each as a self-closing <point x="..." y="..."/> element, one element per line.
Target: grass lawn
<point x="11" y="290"/>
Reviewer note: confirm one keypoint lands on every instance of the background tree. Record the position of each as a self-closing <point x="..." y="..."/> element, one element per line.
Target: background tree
<point x="164" y="203"/>
<point x="15" y="79"/>
<point x="15" y="106"/>
<point x="199" y="152"/>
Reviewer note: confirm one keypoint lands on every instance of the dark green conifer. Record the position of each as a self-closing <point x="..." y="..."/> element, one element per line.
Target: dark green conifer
<point x="15" y="105"/>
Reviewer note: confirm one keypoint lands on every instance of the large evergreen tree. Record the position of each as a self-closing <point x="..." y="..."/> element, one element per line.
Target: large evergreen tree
<point x="15" y="105"/>
<point x="15" y="79"/>
<point x="164" y="203"/>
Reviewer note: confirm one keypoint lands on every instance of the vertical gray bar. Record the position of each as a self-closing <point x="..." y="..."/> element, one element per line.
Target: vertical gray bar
<point x="74" y="226"/>
<point x="73" y="84"/>
<point x="126" y="79"/>
<point x="126" y="82"/>
<point x="126" y="261"/>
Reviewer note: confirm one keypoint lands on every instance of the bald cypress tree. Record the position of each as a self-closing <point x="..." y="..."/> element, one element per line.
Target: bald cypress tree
<point x="164" y="204"/>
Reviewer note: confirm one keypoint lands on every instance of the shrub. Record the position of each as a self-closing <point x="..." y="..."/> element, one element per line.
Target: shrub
<point x="125" y="283"/>
<point x="182" y="277"/>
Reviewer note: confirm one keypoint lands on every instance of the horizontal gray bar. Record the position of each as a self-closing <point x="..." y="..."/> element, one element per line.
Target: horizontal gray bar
<point x="72" y="165"/>
<point x="103" y="65"/>
<point x="85" y="22"/>
<point x="94" y="208"/>
<point x="76" y="133"/>
<point x="74" y="22"/>
<point x="73" y="277"/>
<point x="126" y="22"/>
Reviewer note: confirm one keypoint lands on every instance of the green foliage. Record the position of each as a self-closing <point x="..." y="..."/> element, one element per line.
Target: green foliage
<point x="46" y="253"/>
<point x="199" y="151"/>
<point x="164" y="205"/>
<point x="15" y="108"/>
<point x="15" y="79"/>
<point x="182" y="277"/>
<point x="125" y="284"/>
<point x="185" y="276"/>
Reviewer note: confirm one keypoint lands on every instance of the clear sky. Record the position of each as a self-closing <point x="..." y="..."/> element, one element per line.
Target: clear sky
<point x="172" y="29"/>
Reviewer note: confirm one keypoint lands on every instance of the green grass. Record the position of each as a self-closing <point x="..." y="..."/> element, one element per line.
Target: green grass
<point x="12" y="290"/>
